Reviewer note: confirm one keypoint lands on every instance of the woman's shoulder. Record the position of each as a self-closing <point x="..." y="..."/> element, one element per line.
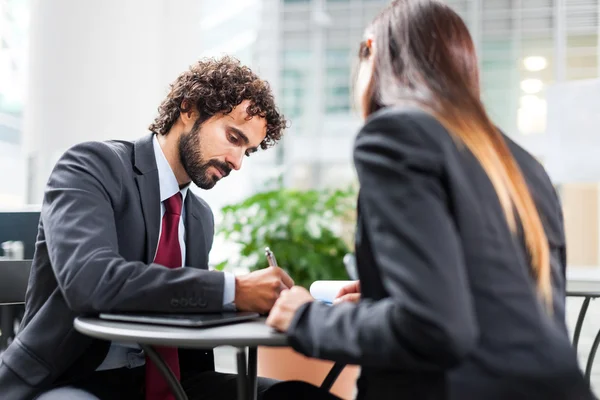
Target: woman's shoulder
<point x="402" y="115"/>
<point x="409" y="125"/>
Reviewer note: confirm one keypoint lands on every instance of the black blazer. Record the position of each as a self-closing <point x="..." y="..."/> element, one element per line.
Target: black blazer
<point x="449" y="308"/>
<point x="98" y="234"/>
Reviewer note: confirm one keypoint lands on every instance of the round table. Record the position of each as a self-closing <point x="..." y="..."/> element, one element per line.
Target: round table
<point x="242" y="335"/>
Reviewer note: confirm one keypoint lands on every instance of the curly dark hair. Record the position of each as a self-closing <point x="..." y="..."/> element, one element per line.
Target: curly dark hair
<point x="215" y="86"/>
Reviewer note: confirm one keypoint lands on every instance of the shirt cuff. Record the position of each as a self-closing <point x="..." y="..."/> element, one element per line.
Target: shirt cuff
<point x="229" y="289"/>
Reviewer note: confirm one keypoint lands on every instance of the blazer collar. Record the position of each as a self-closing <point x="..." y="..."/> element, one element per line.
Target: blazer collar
<point x="143" y="154"/>
<point x="196" y="241"/>
<point x="149" y="190"/>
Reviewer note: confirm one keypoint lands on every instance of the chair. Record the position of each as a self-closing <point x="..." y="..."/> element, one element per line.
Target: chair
<point x="333" y="374"/>
<point x="336" y="370"/>
<point x="293" y="390"/>
<point x="14" y="275"/>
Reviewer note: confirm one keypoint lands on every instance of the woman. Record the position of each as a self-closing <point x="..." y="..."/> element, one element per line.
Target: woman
<point x="460" y="245"/>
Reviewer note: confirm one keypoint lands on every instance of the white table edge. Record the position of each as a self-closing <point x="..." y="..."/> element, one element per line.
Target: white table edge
<point x="174" y="336"/>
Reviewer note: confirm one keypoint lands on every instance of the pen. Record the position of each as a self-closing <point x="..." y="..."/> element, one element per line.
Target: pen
<point x="270" y="257"/>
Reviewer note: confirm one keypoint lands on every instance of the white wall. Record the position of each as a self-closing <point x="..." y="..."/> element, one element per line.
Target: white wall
<point x="12" y="175"/>
<point x="98" y="70"/>
<point x="573" y="131"/>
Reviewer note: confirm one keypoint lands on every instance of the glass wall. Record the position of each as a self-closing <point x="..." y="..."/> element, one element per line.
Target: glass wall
<point x="527" y="50"/>
<point x="318" y="49"/>
<point x="14" y="18"/>
<point x="13" y="57"/>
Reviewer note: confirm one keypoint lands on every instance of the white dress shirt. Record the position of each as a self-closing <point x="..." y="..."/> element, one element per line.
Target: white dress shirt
<point x="131" y="356"/>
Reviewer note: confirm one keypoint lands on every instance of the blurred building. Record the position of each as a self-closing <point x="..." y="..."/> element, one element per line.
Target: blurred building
<point x="533" y="55"/>
<point x="523" y="46"/>
<point x="317" y="54"/>
<point x="304" y="49"/>
<point x="537" y="58"/>
<point x="527" y="51"/>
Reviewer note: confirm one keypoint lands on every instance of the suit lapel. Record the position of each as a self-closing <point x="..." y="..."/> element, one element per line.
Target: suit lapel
<point x="149" y="190"/>
<point x="195" y="239"/>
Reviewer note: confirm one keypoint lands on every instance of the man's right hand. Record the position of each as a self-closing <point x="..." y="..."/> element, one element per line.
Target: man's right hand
<point x="349" y="293"/>
<point x="258" y="290"/>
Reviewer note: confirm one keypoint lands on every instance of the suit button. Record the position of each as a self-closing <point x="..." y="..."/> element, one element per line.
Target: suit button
<point x="183" y="302"/>
<point x="174" y="303"/>
<point x="192" y="302"/>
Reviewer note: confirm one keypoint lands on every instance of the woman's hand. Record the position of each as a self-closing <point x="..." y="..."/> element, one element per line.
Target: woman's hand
<point x="285" y="307"/>
<point x="349" y="293"/>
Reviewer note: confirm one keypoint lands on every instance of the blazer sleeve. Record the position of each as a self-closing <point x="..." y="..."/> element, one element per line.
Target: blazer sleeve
<point x="559" y="275"/>
<point x="79" y="226"/>
<point x="428" y="321"/>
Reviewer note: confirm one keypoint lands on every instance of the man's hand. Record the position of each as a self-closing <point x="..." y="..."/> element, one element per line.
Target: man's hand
<point x="286" y="306"/>
<point x="258" y="290"/>
<point x="349" y="293"/>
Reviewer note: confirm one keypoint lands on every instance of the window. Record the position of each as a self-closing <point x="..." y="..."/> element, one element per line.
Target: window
<point x="296" y="68"/>
<point x="498" y="80"/>
<point x="293" y="92"/>
<point x="582" y="56"/>
<point x="13" y="50"/>
<point x="337" y="80"/>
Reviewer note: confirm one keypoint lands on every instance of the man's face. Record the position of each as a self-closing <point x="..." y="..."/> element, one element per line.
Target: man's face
<point x="209" y="152"/>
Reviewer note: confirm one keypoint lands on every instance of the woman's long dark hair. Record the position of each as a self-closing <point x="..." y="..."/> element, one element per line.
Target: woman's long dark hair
<point x="424" y="55"/>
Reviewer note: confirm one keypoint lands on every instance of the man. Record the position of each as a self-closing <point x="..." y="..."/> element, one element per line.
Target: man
<point x="118" y="223"/>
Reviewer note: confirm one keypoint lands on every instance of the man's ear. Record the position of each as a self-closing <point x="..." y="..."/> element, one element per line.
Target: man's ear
<point x="188" y="113"/>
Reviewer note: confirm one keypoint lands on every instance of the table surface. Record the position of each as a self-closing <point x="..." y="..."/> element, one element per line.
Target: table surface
<point x="580" y="282"/>
<point x="583" y="281"/>
<point x="245" y="334"/>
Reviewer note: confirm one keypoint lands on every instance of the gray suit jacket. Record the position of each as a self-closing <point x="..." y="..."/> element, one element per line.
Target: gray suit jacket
<point x="97" y="237"/>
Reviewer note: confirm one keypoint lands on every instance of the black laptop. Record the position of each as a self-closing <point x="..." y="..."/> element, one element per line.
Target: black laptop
<point x="187" y="320"/>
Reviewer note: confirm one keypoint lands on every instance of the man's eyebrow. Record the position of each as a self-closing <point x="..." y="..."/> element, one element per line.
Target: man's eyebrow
<point x="240" y="134"/>
<point x="243" y="136"/>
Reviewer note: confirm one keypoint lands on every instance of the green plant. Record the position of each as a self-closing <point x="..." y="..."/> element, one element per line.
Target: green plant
<point x="309" y="231"/>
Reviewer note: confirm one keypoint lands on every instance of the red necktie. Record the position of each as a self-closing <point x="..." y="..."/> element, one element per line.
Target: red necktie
<point x="169" y="255"/>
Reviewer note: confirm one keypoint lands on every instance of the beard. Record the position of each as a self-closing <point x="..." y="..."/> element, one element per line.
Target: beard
<point x="194" y="164"/>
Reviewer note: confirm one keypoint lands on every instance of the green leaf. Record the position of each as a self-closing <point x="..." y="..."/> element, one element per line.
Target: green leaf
<point x="309" y="231"/>
<point x="221" y="266"/>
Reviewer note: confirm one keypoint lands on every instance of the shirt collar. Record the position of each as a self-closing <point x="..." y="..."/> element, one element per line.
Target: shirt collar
<point x="167" y="181"/>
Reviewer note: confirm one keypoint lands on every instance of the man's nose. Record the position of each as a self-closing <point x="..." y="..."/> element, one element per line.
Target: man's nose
<point x="234" y="160"/>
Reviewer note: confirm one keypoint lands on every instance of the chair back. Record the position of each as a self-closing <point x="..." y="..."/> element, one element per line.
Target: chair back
<point x="14" y="275"/>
